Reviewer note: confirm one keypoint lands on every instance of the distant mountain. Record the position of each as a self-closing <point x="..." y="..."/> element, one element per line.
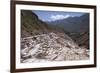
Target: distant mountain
<point x="73" y="24"/>
<point x="30" y="24"/>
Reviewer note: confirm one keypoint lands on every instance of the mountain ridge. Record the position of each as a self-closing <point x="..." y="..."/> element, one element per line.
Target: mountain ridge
<point x="73" y="24"/>
<point x="30" y="24"/>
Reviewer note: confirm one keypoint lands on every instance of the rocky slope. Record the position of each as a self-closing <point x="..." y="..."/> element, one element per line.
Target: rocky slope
<point x="51" y="47"/>
<point x="82" y="39"/>
<point x="31" y="25"/>
<point x="42" y="43"/>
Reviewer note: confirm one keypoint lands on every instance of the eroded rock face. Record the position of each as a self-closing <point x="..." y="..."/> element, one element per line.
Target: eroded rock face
<point x="51" y="47"/>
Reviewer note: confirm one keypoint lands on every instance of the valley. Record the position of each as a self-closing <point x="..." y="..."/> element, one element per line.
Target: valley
<point x="42" y="42"/>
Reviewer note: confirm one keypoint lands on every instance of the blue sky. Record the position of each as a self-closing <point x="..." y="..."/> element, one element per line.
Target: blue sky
<point x="55" y="15"/>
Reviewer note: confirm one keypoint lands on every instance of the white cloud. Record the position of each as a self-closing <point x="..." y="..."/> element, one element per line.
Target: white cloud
<point x="58" y="17"/>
